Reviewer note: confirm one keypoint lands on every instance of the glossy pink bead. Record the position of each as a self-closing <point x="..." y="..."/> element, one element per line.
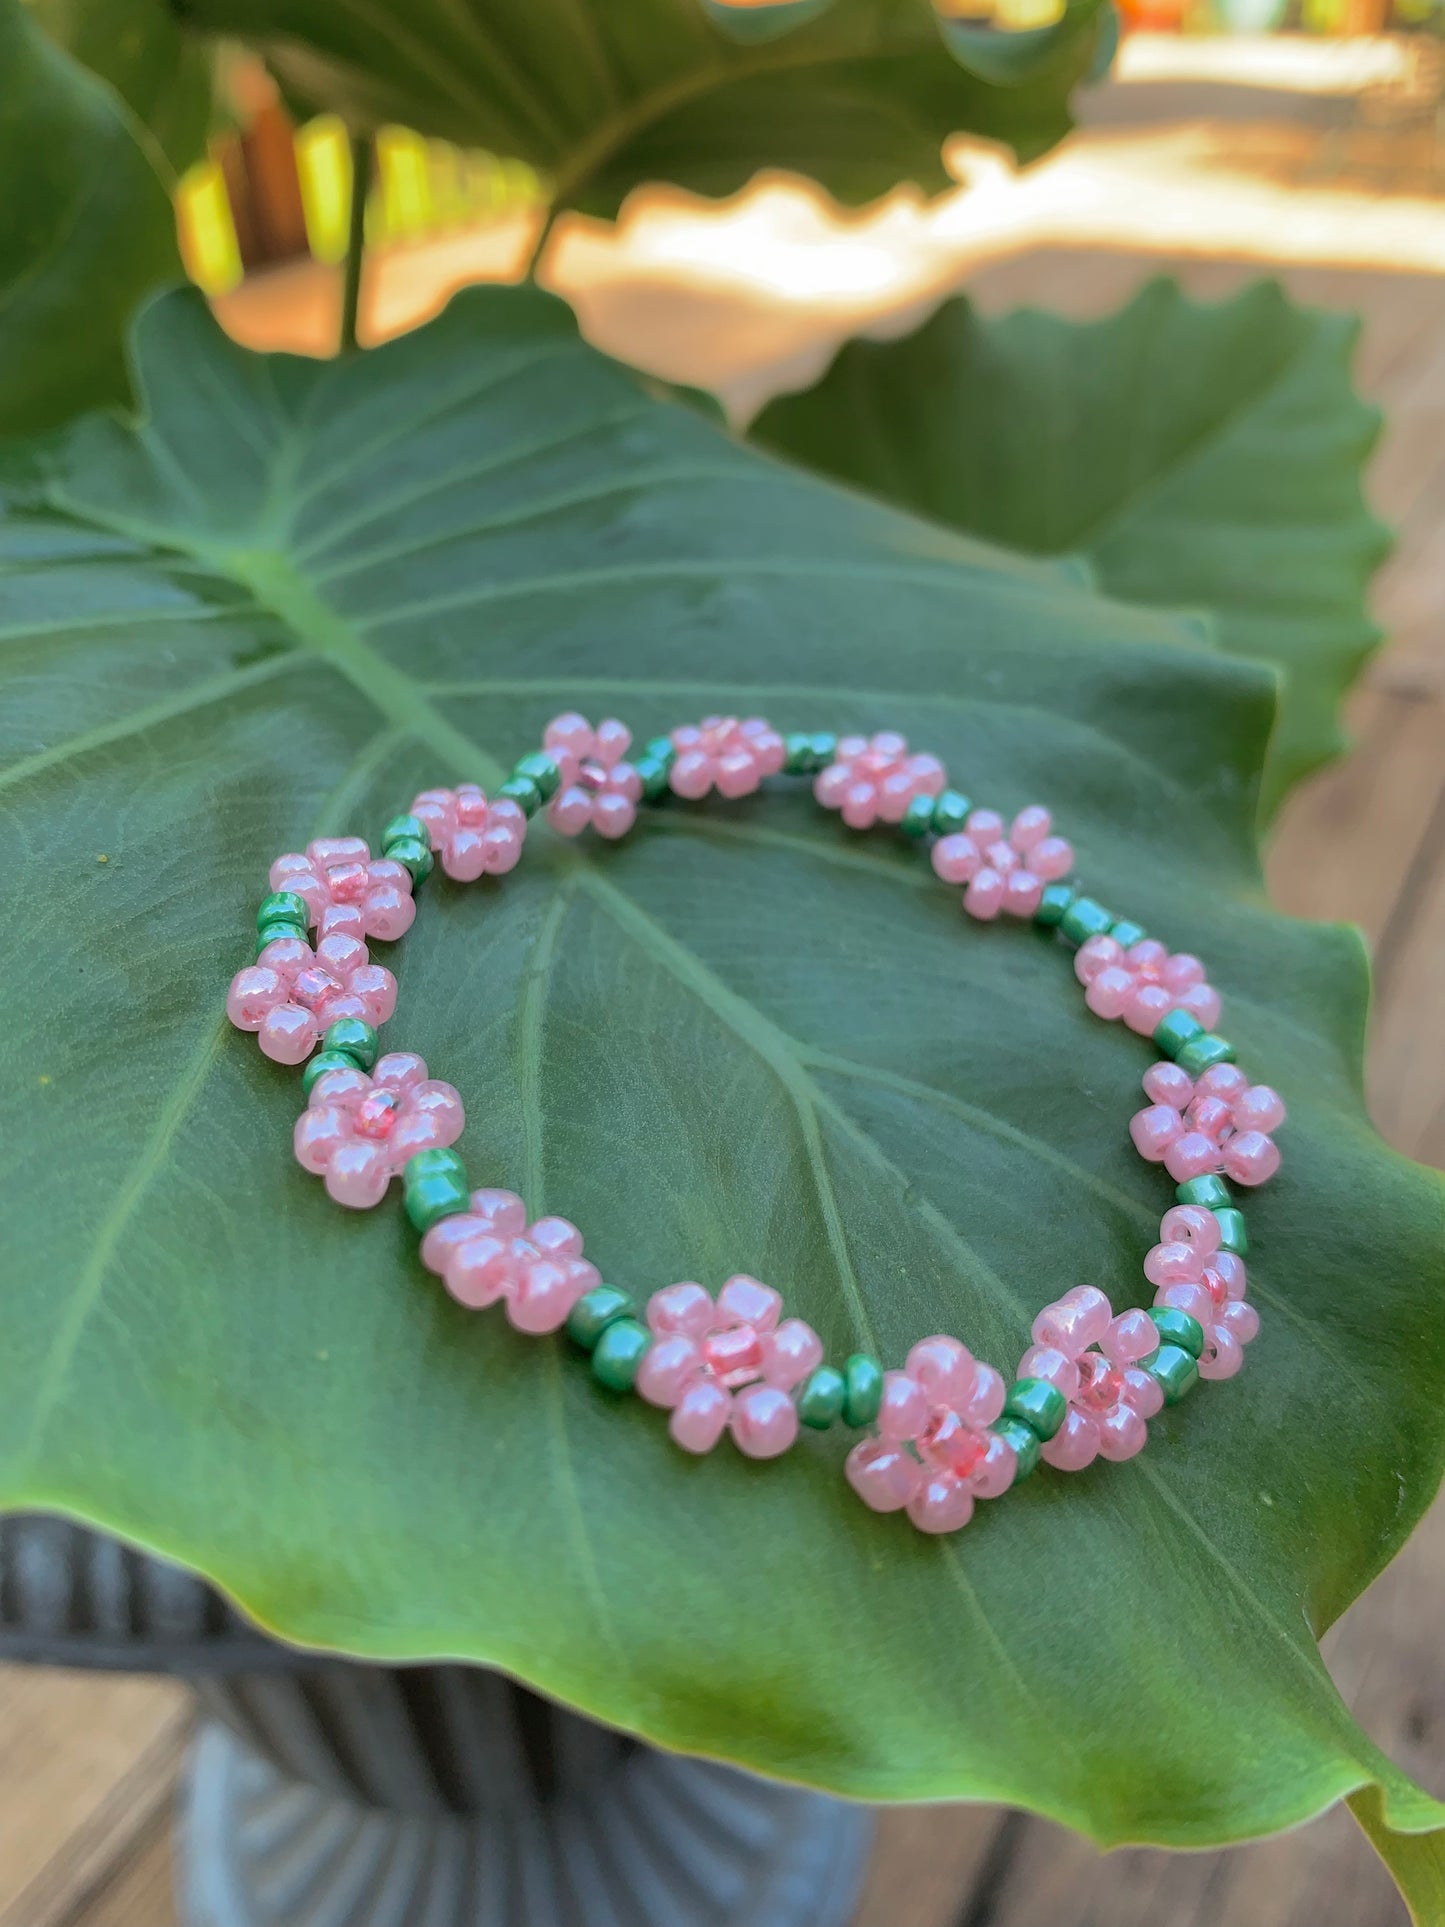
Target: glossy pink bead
<point x="1251" y="1158"/>
<point x="1074" y="1322"/>
<point x="1166" y="1083"/>
<point x="1257" y="1109"/>
<point x="599" y="787"/>
<point x="1192" y="1225"/>
<point x="956" y="858"/>
<point x="1191" y="1156"/>
<point x="764" y="1421"/>
<point x="884" y="1475"/>
<point x="942" y="1503"/>
<point x="1154" y="1130"/>
<point x="985" y="895"/>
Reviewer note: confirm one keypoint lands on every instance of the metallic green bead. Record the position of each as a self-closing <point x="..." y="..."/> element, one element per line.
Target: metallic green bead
<point x="1038" y="1404"/>
<point x="1126" y="933"/>
<point x="539" y="768"/>
<point x="825" y="748"/>
<point x="283" y="906"/>
<point x="918" y="817"/>
<point x="951" y="810"/>
<point x="862" y="1389"/>
<point x="652" y="773"/>
<point x="438" y="1195"/>
<point x="1025" y="1442"/>
<point x="1232" y="1235"/>
<point x="324" y="1061"/>
<point x="618" y="1353"/>
<point x="1173" y="1032"/>
<point x="1178" y="1328"/>
<point x="1175" y="1370"/>
<point x="800" y="753"/>
<point x="594" y="1311"/>
<point x="662" y="749"/>
<point x="1084" y="919"/>
<point x="821" y="1400"/>
<point x="273" y="932"/>
<point x="1202" y="1053"/>
<point x="404" y="829"/>
<point x="413" y="853"/>
<point x="1211" y="1192"/>
<point x="1054" y="905"/>
<point x="355" y="1036"/>
<point x="522" y="791"/>
<point x="426" y="1164"/>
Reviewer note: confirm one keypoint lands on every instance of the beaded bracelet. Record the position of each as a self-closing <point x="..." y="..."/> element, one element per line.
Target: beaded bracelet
<point x="947" y="1429"/>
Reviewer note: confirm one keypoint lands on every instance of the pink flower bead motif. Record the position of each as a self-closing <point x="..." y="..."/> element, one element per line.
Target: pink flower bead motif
<point x="723" y="754"/>
<point x="489" y="1254"/>
<point x="1191" y="1274"/>
<point x="873" y="779"/>
<point x="470" y="836"/>
<point x="1093" y="1359"/>
<point x="292" y="992"/>
<point x="598" y="786"/>
<point x="1143" y="983"/>
<point x="339" y="873"/>
<point x="1220" y="1125"/>
<point x="1003" y="871"/>
<point x="934" y="1454"/>
<point x="357" y="1132"/>
<point x="727" y="1366"/>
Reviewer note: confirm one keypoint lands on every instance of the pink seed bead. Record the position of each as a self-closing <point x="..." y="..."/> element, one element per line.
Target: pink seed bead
<point x="340" y="920"/>
<point x="1022" y="893"/>
<point x="556" y="1238"/>
<point x="1130" y="1337"/>
<point x="984" y="826"/>
<point x="904" y="1411"/>
<point x="464" y="855"/>
<point x="1147" y="1008"/>
<point x="399" y="1070"/>
<point x="1109" y="994"/>
<point x="1043" y="1361"/>
<point x="1029" y="827"/>
<point x="1202" y="1002"/>
<point x="1154" y="1131"/>
<point x="860" y="806"/>
<point x="764" y="1421"/>
<point x="1250" y="1158"/>
<point x="1190" y="1224"/>
<point x="1181" y="972"/>
<point x="1168" y="1084"/>
<point x="288" y="1034"/>
<point x="995" y="1474"/>
<point x="376" y="987"/>
<point x="358" y="1174"/>
<point x="1001" y="857"/>
<point x="986" y="1400"/>
<point x="478" y="1272"/>
<point x="1143" y="1392"/>
<point x="285" y="954"/>
<point x="1222" y="1357"/>
<point x="447" y="1236"/>
<point x="254" y="994"/>
<point x="884" y="1476"/>
<point x="744" y="1301"/>
<point x="790" y="1353"/>
<point x="1051" y="859"/>
<point x="942" y="1504"/>
<point x="1191" y="1156"/>
<point x="1241" y="1321"/>
<point x="944" y="1368"/>
<point x="569" y="731"/>
<point x="390" y="912"/>
<point x="570" y="811"/>
<point x="1211" y="1115"/>
<point x="668" y="1368"/>
<point x="1094" y="955"/>
<point x="1231" y="1269"/>
<point x="1222" y="1080"/>
<point x="1174" y="1264"/>
<point x="613" y="815"/>
<point x="544" y="1298"/>
<point x="683" y="1308"/>
<point x="316" y="1135"/>
<point x="984" y="896"/>
<point x="1074" y="1322"/>
<point x="691" y="777"/>
<point x="341" y="1090"/>
<point x="1256" y="1109"/>
<point x="1193" y="1300"/>
<point x="1075" y="1444"/>
<point x="700" y="1416"/>
<point x="956" y="858"/>
<point x="1122" y="1433"/>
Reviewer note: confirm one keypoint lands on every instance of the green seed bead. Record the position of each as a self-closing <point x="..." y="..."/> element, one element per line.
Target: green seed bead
<point x="1038" y="1404"/>
<point x="652" y="773"/>
<point x="523" y="792"/>
<point x="1232" y="1235"/>
<point x="594" y="1311"/>
<point x="1212" y="1193"/>
<point x="1126" y="933"/>
<point x="918" y="817"/>
<point x="1178" y="1328"/>
<point x="427" y="1164"/>
<point x="862" y="1389"/>
<point x="273" y="932"/>
<point x="1175" y="1370"/>
<point x="1202" y="1053"/>
<point x="430" y="1199"/>
<point x="539" y="768"/>
<point x="662" y="750"/>
<point x="1173" y="1032"/>
<point x="1025" y="1442"/>
<point x="619" y="1352"/>
<point x="404" y="829"/>
<point x="414" y="855"/>
<point x="805" y="752"/>
<point x="951" y="810"/>
<point x="283" y="906"/>
<point x="1053" y="905"/>
<point x="825" y="748"/>
<point x="820" y="1402"/>
<point x="328" y="1060"/>
<point x="355" y="1036"/>
<point x="1084" y="919"/>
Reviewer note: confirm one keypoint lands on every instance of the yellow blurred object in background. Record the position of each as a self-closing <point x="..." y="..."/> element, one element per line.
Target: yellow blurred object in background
<point x="206" y="230"/>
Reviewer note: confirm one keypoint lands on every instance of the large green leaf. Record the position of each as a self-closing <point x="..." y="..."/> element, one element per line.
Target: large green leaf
<point x="161" y="72"/>
<point x="1206" y="456"/>
<point x="86" y="229"/>
<point x="603" y="95"/>
<point x="299" y="591"/>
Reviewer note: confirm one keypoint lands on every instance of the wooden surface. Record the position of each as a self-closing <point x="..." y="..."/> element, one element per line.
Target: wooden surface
<point x="87" y="1766"/>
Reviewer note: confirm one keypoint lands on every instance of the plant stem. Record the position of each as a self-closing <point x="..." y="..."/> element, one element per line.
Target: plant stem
<point x="361" y="159"/>
<point x="549" y="221"/>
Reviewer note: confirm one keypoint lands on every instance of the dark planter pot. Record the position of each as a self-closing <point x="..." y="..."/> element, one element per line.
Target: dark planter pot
<point x="325" y="1794"/>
